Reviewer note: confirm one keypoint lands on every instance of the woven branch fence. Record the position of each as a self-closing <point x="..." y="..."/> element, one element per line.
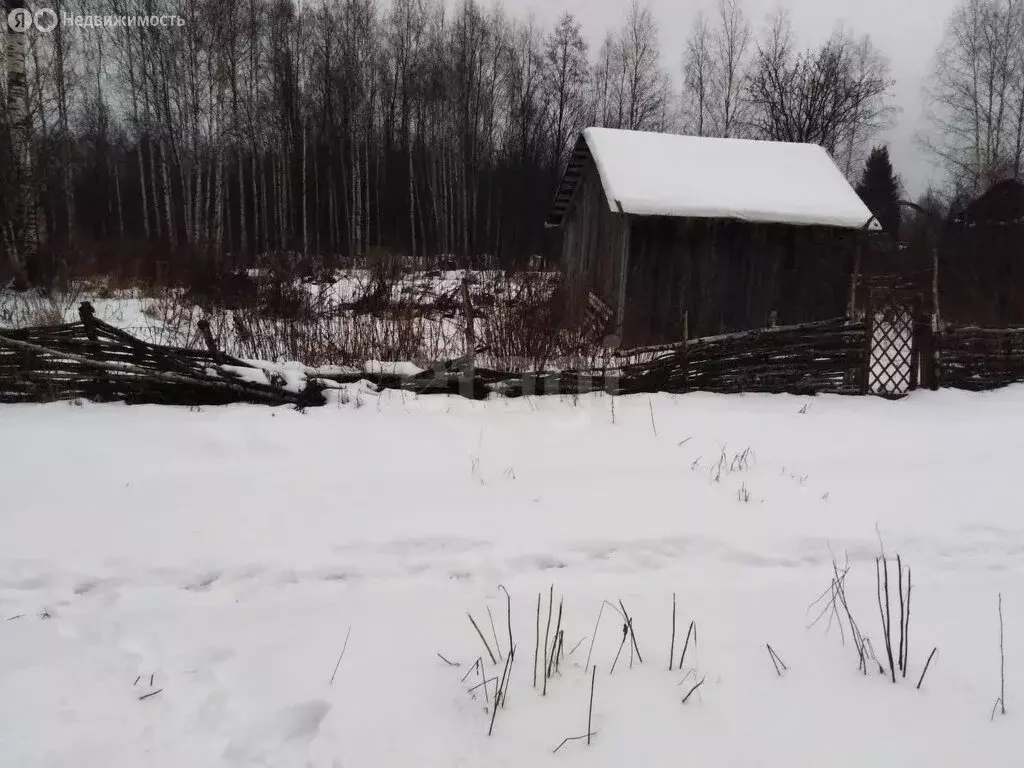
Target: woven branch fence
<point x="979" y="358"/>
<point x="94" y="360"/>
<point x="91" y="359"/>
<point x="810" y="358"/>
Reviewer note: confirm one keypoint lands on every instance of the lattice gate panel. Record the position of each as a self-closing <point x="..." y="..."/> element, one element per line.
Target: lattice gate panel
<point x="891" y="362"/>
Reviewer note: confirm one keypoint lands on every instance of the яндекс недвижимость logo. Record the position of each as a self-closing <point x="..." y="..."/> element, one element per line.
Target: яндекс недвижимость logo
<point x="22" y="20"/>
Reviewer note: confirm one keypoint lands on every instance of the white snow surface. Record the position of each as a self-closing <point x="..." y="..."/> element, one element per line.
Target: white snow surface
<point x="221" y="560"/>
<point x="663" y="174"/>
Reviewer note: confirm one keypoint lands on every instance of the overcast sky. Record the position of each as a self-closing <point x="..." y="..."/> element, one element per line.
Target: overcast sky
<point x="907" y="31"/>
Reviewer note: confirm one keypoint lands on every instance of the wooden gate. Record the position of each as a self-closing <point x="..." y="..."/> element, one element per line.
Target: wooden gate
<point x="898" y="358"/>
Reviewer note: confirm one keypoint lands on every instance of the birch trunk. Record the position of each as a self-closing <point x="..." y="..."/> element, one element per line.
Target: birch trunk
<point x="412" y="201"/>
<point x="276" y="201"/>
<point x="188" y="199"/>
<point x="282" y="232"/>
<point x="366" y="192"/>
<point x="356" y="235"/>
<point x="152" y="189"/>
<point x="218" y="202"/>
<point x="242" y="239"/>
<point x="305" y="211"/>
<point x="332" y="241"/>
<point x="287" y="202"/>
<point x="22" y="254"/>
<point x="120" y="202"/>
<point x="316" y="199"/>
<point x="199" y="215"/>
<point x="142" y="189"/>
<point x="255" y="205"/>
<point x="263" y="200"/>
<point x="348" y="214"/>
<point x="168" y="209"/>
<point x="60" y="55"/>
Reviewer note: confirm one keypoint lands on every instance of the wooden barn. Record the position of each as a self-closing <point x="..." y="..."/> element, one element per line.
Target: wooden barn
<point x="682" y="235"/>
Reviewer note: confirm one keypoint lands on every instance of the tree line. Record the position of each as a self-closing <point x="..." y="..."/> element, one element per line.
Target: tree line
<point x="335" y="129"/>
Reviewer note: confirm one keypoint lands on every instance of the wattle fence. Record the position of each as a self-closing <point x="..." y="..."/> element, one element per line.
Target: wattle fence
<point x="811" y="358"/>
<point x="979" y="358"/>
<point x="94" y="360"/>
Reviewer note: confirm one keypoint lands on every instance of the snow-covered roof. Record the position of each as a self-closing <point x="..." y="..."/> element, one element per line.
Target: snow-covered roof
<point x="663" y="174"/>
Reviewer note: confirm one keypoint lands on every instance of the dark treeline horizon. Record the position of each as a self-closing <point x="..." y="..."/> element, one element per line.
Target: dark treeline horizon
<point x="413" y="127"/>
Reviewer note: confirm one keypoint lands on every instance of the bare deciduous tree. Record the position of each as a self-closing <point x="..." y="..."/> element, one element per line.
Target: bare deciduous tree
<point x="976" y="95"/>
<point x="715" y="67"/>
<point x="566" y="72"/>
<point x="697" y="79"/>
<point x="837" y="96"/>
<point x="645" y="87"/>
<point x="20" y="235"/>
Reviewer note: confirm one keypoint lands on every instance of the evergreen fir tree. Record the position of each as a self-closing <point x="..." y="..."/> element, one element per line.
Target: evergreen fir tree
<point x="879" y="188"/>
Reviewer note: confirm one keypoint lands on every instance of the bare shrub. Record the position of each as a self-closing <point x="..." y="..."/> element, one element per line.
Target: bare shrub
<point x="527" y="328"/>
<point x="32" y="308"/>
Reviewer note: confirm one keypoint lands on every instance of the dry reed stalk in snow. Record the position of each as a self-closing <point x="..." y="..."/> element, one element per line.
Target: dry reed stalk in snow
<point x="593" y="637"/>
<point x="776" y="660"/>
<point x="882" y="566"/>
<point x="1001" y="701"/>
<point x="508" y="612"/>
<point x="547" y="638"/>
<point x="553" y="656"/>
<point x="693" y="690"/>
<point x="691" y="631"/>
<point x="340" y="656"/>
<point x="536" y="648"/>
<point x="482" y="638"/>
<point x="632" y="634"/>
<point x="925" y="670"/>
<point x="590" y="711"/>
<point x="672" y="646"/>
<point x="502" y="692"/>
<point x="494" y="633"/>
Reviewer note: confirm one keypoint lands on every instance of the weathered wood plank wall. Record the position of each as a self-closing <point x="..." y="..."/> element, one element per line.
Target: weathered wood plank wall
<point x="591" y="246"/>
<point x="732" y="276"/>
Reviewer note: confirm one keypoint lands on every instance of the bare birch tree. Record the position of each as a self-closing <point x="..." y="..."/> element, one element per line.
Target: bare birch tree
<point x="565" y="78"/>
<point x="976" y="95"/>
<point x="21" y="235"/>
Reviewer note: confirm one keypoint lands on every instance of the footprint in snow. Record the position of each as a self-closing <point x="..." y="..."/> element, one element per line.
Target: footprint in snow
<point x="203" y="583"/>
<point x="280" y="738"/>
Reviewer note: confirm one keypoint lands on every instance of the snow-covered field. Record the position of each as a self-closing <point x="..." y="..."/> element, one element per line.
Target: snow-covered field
<point x="176" y="586"/>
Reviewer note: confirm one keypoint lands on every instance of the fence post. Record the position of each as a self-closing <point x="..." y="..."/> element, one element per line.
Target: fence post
<point x="685" y="354"/>
<point x="869" y="330"/>
<point x="925" y="342"/>
<point x="211" y="344"/>
<point x="467" y="373"/>
<point x="88" y="316"/>
<point x="467" y="313"/>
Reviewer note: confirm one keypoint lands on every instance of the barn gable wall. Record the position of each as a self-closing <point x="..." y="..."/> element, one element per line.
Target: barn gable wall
<point x="731" y="276"/>
<point x="592" y="244"/>
<point x="722" y="275"/>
